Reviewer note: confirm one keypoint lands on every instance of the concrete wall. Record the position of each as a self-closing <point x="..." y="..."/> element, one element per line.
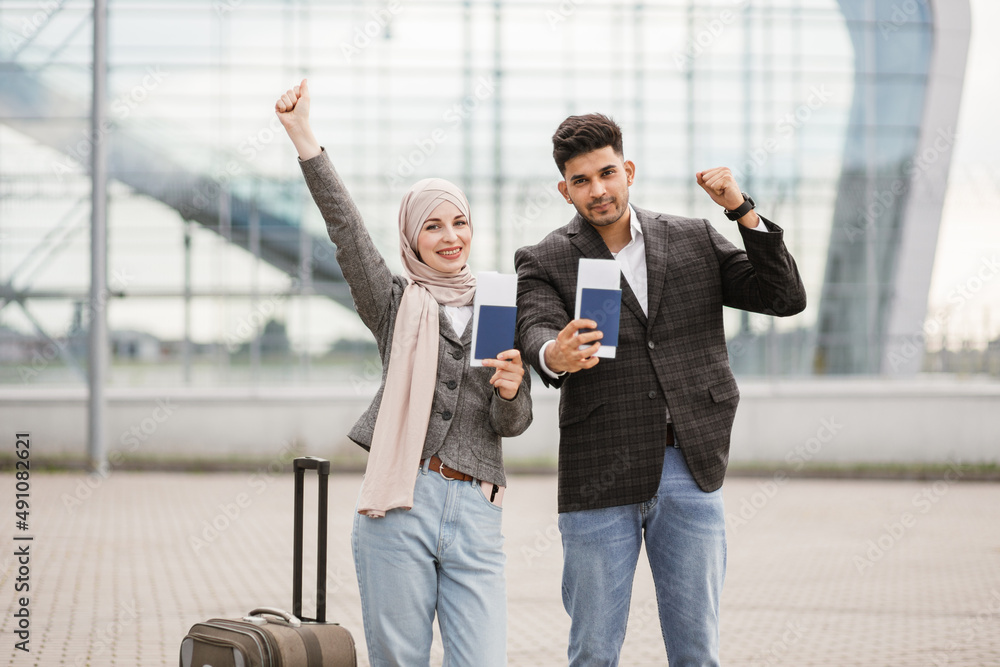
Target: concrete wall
<point x="823" y="421"/>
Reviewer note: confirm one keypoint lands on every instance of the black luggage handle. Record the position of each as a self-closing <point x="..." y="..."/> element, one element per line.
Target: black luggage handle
<point x="322" y="468"/>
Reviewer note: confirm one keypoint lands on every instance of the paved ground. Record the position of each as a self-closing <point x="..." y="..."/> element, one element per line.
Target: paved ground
<point x="820" y="572"/>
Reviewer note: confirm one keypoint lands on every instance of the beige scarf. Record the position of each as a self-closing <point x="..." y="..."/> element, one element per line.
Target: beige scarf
<point x="405" y="411"/>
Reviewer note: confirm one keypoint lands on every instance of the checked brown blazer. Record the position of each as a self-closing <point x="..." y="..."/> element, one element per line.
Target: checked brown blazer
<point x="612" y="417"/>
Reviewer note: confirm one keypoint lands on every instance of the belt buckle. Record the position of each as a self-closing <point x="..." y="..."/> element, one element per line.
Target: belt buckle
<point x="440" y="470"/>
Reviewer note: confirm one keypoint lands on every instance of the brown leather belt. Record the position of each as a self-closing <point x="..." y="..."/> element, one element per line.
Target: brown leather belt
<point x="670" y="434"/>
<point x="446" y="472"/>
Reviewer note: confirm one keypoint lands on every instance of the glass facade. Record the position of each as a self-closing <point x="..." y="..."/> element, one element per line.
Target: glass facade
<point x="892" y="56"/>
<point x="220" y="271"/>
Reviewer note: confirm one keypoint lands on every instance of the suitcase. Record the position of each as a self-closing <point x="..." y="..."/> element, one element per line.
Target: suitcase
<point x="270" y="637"/>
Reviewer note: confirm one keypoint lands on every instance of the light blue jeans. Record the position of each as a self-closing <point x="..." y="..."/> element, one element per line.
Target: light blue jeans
<point x="685" y="535"/>
<point x="445" y="555"/>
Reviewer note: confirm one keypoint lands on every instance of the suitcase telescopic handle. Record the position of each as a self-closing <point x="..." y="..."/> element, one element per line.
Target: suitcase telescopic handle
<point x="322" y="468"/>
<point x="312" y="463"/>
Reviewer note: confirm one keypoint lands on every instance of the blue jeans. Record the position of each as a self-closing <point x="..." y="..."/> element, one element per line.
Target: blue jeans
<point x="445" y="555"/>
<point x="685" y="534"/>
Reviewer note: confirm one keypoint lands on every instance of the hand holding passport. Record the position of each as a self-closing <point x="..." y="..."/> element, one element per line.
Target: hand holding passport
<point x="493" y="320"/>
<point x="494" y="315"/>
<point x="599" y="298"/>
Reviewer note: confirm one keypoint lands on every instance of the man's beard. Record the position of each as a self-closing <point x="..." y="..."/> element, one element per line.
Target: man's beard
<point x="611" y="216"/>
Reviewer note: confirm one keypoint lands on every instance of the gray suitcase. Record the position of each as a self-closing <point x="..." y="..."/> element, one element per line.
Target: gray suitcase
<point x="270" y="637"/>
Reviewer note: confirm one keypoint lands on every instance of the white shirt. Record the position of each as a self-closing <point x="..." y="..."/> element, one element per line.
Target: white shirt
<point x="632" y="262"/>
<point x="459" y="317"/>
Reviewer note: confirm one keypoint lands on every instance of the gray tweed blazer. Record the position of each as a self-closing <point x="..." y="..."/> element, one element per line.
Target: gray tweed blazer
<point x="612" y="417"/>
<point x="467" y="417"/>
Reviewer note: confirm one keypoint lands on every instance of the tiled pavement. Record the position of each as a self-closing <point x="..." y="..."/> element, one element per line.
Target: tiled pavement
<point x="820" y="572"/>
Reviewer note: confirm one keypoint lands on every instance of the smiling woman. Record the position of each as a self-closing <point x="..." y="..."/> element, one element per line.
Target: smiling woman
<point x="433" y="413"/>
<point x="444" y="240"/>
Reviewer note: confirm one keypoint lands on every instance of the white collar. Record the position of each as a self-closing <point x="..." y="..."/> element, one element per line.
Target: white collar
<point x="633" y="222"/>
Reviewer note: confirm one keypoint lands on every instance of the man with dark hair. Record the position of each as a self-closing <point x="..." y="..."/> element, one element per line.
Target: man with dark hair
<point x="644" y="437"/>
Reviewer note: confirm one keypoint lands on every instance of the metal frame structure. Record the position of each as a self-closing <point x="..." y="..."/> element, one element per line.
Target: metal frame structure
<point x="890" y="261"/>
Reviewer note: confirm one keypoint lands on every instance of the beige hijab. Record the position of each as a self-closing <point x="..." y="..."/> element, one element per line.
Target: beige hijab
<point x="405" y="411"/>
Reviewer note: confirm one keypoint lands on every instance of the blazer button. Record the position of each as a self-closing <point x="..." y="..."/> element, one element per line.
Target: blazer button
<point x="651" y="345"/>
<point x="452" y="384"/>
<point x="457" y="354"/>
<point x="446" y="415"/>
<point x="652" y="394"/>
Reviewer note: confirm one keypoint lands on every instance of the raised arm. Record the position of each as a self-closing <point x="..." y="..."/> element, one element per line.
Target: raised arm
<point x="293" y="112"/>
<point x="764" y="279"/>
<point x="364" y="268"/>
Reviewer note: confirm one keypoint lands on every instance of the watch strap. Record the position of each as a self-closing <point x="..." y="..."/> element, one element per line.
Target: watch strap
<point x="744" y="208"/>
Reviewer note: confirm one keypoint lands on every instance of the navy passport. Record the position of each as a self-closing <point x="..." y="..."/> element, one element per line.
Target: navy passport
<point x="604" y="306"/>
<point x="496" y="331"/>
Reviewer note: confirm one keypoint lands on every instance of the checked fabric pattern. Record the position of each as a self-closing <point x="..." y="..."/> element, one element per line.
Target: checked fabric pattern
<point x="612" y="417"/>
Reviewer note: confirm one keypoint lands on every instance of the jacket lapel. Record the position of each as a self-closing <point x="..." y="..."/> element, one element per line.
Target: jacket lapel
<point x="589" y="242"/>
<point x="631" y="302"/>
<point x="654" y="235"/>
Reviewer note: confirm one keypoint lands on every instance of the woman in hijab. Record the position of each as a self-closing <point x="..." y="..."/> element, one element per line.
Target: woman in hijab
<point x="427" y="535"/>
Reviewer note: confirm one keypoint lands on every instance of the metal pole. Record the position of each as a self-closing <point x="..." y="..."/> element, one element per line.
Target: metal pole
<point x="98" y="354"/>
<point x="255" y="250"/>
<point x="467" y="75"/>
<point x="748" y="184"/>
<point x="187" y="302"/>
<point x="498" y="180"/>
<point x="872" y="358"/>
<point x="689" y="113"/>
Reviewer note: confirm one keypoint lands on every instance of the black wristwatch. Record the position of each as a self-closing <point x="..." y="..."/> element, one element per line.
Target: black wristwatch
<point x="747" y="206"/>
